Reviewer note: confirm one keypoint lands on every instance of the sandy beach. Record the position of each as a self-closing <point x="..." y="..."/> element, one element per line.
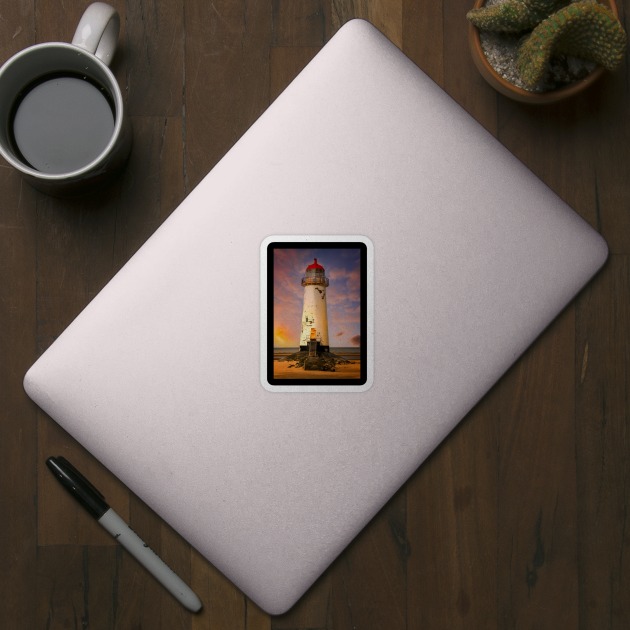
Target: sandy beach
<point x="281" y="369"/>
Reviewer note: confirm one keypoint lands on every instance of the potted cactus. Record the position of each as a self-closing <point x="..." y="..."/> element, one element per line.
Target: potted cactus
<point x="558" y="49"/>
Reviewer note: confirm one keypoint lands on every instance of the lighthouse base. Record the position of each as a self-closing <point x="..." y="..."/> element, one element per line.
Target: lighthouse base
<point x="317" y="349"/>
<point x="322" y="361"/>
<point x="314" y="363"/>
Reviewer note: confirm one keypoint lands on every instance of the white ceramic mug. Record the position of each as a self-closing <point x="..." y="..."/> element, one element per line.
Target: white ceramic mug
<point x="88" y="57"/>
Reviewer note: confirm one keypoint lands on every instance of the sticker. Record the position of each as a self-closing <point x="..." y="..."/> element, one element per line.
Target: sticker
<point x="317" y="313"/>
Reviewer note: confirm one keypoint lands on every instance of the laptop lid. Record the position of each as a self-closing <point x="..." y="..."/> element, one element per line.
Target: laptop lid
<point x="443" y="259"/>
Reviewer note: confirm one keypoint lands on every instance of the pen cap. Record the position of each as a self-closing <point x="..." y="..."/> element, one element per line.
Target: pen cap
<point x="78" y="486"/>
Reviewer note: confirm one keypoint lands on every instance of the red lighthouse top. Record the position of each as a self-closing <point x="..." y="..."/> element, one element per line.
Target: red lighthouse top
<point x="315" y="266"/>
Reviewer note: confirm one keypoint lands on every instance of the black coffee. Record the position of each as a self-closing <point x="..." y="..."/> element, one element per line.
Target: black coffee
<point x="61" y="123"/>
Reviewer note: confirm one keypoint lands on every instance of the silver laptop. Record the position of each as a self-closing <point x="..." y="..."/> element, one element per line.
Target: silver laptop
<point x="317" y="315"/>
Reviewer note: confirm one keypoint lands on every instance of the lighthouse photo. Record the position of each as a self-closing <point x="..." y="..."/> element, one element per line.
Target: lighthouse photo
<point x="316" y="316"/>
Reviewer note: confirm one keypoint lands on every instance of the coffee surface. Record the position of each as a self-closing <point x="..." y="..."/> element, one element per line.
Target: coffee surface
<point x="62" y="124"/>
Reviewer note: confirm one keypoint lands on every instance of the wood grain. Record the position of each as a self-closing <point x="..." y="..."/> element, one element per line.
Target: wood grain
<point x="572" y="149"/>
<point x="154" y="58"/>
<point x="313" y="609"/>
<point x="285" y="64"/>
<point x="226" y="78"/>
<point x="60" y="520"/>
<point x="422" y="36"/>
<point x="300" y="23"/>
<point x="386" y="15"/>
<point x="452" y="515"/>
<point x="369" y="577"/>
<point x="57" y="22"/>
<point x="224" y="606"/>
<point x="602" y="380"/>
<point x="537" y="510"/>
<point x="76" y="587"/>
<point x="144" y="601"/>
<point x="609" y="134"/>
<point x="151" y="187"/>
<point x="18" y="416"/>
<point x="461" y="79"/>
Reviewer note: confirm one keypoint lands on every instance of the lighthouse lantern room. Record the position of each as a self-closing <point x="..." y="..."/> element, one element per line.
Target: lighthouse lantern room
<point x="314" y="335"/>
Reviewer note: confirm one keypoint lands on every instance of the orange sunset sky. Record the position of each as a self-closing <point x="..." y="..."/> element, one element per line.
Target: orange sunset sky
<point x="342" y="296"/>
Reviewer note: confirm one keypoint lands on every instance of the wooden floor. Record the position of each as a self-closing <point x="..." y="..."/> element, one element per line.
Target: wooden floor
<point x="518" y="520"/>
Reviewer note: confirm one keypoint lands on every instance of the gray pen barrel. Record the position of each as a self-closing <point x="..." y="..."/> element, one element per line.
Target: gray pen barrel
<point x="149" y="559"/>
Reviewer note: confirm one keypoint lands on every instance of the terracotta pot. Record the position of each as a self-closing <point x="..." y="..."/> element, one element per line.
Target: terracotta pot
<point x="518" y="94"/>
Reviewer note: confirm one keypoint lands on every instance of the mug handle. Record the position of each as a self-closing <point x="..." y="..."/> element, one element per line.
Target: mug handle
<point x="98" y="30"/>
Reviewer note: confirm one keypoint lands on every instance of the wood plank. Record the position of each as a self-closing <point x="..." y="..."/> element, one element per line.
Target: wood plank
<point x="224" y="606"/>
<point x="176" y="552"/>
<point x="56" y="23"/>
<point x="18" y="420"/>
<point x="76" y="587"/>
<point x="18" y="415"/>
<point x="386" y="15"/>
<point x="142" y="600"/>
<point x="154" y="57"/>
<point x="422" y="36"/>
<point x="152" y="185"/>
<point x="17" y="28"/>
<point x="608" y="126"/>
<point x="61" y="520"/>
<point x="462" y="80"/>
<point x="312" y="611"/>
<point x="537" y="537"/>
<point x="226" y="78"/>
<point x="566" y="149"/>
<point x="74" y="248"/>
<point x="558" y="147"/>
<point x="285" y="64"/>
<point x="255" y="618"/>
<point x="575" y="147"/>
<point x="369" y="577"/>
<point x="300" y="22"/>
<point x="452" y="527"/>
<point x="603" y="469"/>
<point x="171" y="159"/>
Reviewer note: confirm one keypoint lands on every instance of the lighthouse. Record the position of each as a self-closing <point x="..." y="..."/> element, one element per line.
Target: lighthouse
<point x="314" y="335"/>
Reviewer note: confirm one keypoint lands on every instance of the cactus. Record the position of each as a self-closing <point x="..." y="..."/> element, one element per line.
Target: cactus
<point x="584" y="29"/>
<point x="513" y="16"/>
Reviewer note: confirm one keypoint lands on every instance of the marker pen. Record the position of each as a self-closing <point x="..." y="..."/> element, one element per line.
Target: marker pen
<point x="94" y="502"/>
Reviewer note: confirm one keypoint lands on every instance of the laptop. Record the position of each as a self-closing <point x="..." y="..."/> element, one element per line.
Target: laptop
<point x="316" y="316"/>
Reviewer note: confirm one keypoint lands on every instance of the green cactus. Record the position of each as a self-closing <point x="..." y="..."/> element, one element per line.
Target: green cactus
<point x="513" y="16"/>
<point x="584" y="29"/>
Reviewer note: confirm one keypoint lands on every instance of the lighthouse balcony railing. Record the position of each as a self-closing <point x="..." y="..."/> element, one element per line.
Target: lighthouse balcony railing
<point x="315" y="280"/>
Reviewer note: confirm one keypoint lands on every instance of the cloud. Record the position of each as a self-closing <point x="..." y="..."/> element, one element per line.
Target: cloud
<point x="340" y="333"/>
<point x="356" y="340"/>
<point x="341" y="315"/>
<point x="282" y="336"/>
